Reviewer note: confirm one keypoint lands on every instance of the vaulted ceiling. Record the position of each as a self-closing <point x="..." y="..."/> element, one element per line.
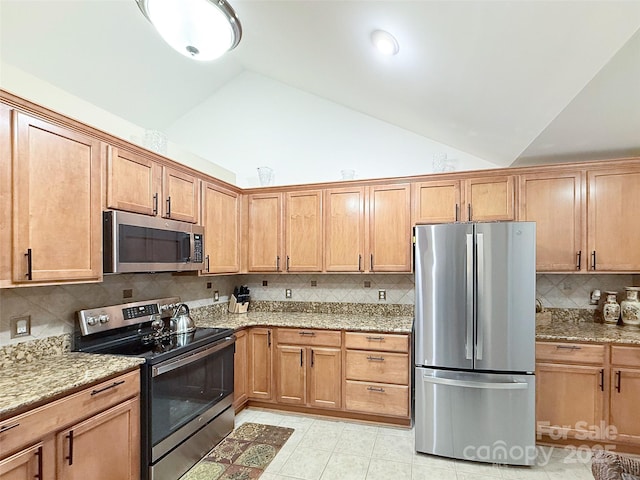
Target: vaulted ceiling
<point x="510" y="82"/>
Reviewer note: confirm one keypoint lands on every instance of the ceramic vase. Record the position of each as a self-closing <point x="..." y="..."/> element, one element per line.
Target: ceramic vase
<point x="630" y="307"/>
<point x="611" y="309"/>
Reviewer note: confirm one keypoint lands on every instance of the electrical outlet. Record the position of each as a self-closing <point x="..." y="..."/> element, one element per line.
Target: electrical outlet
<point x="127" y="293"/>
<point x="314" y="283"/>
<point x="208" y="284"/>
<point x="287" y="293"/>
<point x="382" y="294"/>
<point x="21" y="326"/>
<point x="265" y="283"/>
<point x="216" y="296"/>
<point x="367" y="284"/>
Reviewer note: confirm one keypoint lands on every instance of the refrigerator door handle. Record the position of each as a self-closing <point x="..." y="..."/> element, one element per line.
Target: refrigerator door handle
<point x="469" y="384"/>
<point x="480" y="286"/>
<point x="469" y="326"/>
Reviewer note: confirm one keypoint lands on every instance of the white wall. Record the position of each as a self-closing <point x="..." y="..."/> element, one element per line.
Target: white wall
<point x="25" y="85"/>
<point x="254" y="121"/>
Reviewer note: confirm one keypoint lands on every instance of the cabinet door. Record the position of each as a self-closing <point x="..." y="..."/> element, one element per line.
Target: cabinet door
<point x="24" y="465"/>
<point x="265" y="232"/>
<point x="344" y="229"/>
<point x="325" y="377"/>
<point x="613" y="229"/>
<point x="259" y="347"/>
<point x="5" y="196"/>
<point x="221" y="218"/>
<point x="625" y="392"/>
<point x="104" y="447"/>
<point x="181" y="195"/>
<point x="436" y="202"/>
<point x="292" y="376"/>
<point x="488" y="199"/>
<point x="240" y="371"/>
<point x="57" y="223"/>
<point x="303" y="231"/>
<point x="554" y="202"/>
<point x="390" y="228"/>
<point x="133" y="182"/>
<point x="569" y="398"/>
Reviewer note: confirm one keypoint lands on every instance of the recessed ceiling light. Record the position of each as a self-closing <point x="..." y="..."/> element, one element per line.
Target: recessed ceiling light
<point x="384" y="42"/>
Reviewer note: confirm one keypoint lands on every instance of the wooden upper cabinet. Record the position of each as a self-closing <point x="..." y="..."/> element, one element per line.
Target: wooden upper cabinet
<point x="613" y="229"/>
<point x="265" y="232"/>
<point x="554" y="202"/>
<point x="57" y="215"/>
<point x="181" y="196"/>
<point x="5" y="196"/>
<point x="344" y="229"/>
<point x="436" y="202"/>
<point x="390" y="228"/>
<point x="133" y="182"/>
<point x="489" y="199"/>
<point x="221" y="219"/>
<point x="303" y="231"/>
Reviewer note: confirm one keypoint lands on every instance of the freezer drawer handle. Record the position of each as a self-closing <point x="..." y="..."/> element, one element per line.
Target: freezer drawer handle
<point x="375" y="359"/>
<point x="468" y="384"/>
<point x="376" y="389"/>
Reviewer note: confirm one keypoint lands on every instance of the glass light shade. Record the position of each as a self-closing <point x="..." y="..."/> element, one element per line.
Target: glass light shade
<point x="199" y="29"/>
<point x="384" y="42"/>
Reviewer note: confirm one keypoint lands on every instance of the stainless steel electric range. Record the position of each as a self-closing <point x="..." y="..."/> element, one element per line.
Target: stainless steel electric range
<point x="186" y="381"/>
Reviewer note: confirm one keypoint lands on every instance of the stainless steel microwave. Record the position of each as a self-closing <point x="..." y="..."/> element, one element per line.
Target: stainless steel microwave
<point x="138" y="243"/>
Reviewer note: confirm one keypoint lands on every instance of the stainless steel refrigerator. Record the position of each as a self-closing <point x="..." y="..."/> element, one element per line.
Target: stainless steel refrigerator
<point x="475" y="341"/>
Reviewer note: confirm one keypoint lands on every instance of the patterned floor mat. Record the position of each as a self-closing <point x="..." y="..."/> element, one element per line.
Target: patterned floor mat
<point x="243" y="455"/>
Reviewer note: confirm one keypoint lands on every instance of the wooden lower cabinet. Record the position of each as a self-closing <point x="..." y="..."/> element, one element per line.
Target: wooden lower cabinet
<point x="587" y="392"/>
<point x="79" y="457"/>
<point x="25" y="464"/>
<point x="377" y="374"/>
<point x="93" y="433"/>
<point x="309" y="375"/>
<point x="569" y="399"/>
<point x="240" y="370"/>
<point x="260" y="363"/>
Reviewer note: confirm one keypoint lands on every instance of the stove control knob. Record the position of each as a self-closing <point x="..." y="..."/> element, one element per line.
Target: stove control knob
<point x="104" y="318"/>
<point x="91" y="321"/>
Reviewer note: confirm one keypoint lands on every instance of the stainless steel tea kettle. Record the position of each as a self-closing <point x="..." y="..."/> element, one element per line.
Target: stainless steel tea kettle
<point x="182" y="321"/>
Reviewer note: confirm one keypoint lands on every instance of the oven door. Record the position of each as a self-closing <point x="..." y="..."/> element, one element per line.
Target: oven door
<point x="186" y="392"/>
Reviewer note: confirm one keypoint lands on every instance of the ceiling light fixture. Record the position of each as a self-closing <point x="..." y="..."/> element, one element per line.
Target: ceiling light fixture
<point x="384" y="42"/>
<point x="199" y="29"/>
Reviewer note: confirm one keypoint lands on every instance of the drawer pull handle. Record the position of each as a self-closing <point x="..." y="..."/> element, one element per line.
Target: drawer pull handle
<point x="377" y="339"/>
<point x="6" y="428"/>
<point x="568" y="347"/>
<point x="375" y="359"/>
<point x="108" y="387"/>
<point x="376" y="389"/>
<point x="310" y="334"/>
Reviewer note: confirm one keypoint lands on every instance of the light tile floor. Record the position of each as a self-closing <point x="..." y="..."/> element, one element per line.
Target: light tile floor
<point x="325" y="449"/>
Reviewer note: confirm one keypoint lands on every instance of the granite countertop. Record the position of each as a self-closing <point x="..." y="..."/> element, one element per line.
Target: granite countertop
<point x="28" y="384"/>
<point x="324" y="321"/>
<point x="575" y="327"/>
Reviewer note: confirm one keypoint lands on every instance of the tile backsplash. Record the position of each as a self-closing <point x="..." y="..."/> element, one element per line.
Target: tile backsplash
<point x="53" y="309"/>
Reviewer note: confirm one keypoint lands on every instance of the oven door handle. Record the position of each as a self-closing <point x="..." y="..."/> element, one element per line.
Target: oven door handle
<point x="192" y="357"/>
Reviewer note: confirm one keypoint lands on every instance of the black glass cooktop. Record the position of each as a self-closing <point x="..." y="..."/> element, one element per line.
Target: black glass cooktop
<point x="155" y="349"/>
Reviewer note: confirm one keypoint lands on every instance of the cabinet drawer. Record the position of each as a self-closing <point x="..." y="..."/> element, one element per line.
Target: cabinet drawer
<point x="625" y="356"/>
<point x="377" y="398"/>
<point x="569" y="352"/>
<point x="309" y="336"/>
<point x="377" y="341"/>
<point x="378" y="367"/>
<point x="34" y="424"/>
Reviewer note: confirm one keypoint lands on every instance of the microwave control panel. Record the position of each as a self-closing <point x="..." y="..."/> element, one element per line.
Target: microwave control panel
<point x="198" y="241"/>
